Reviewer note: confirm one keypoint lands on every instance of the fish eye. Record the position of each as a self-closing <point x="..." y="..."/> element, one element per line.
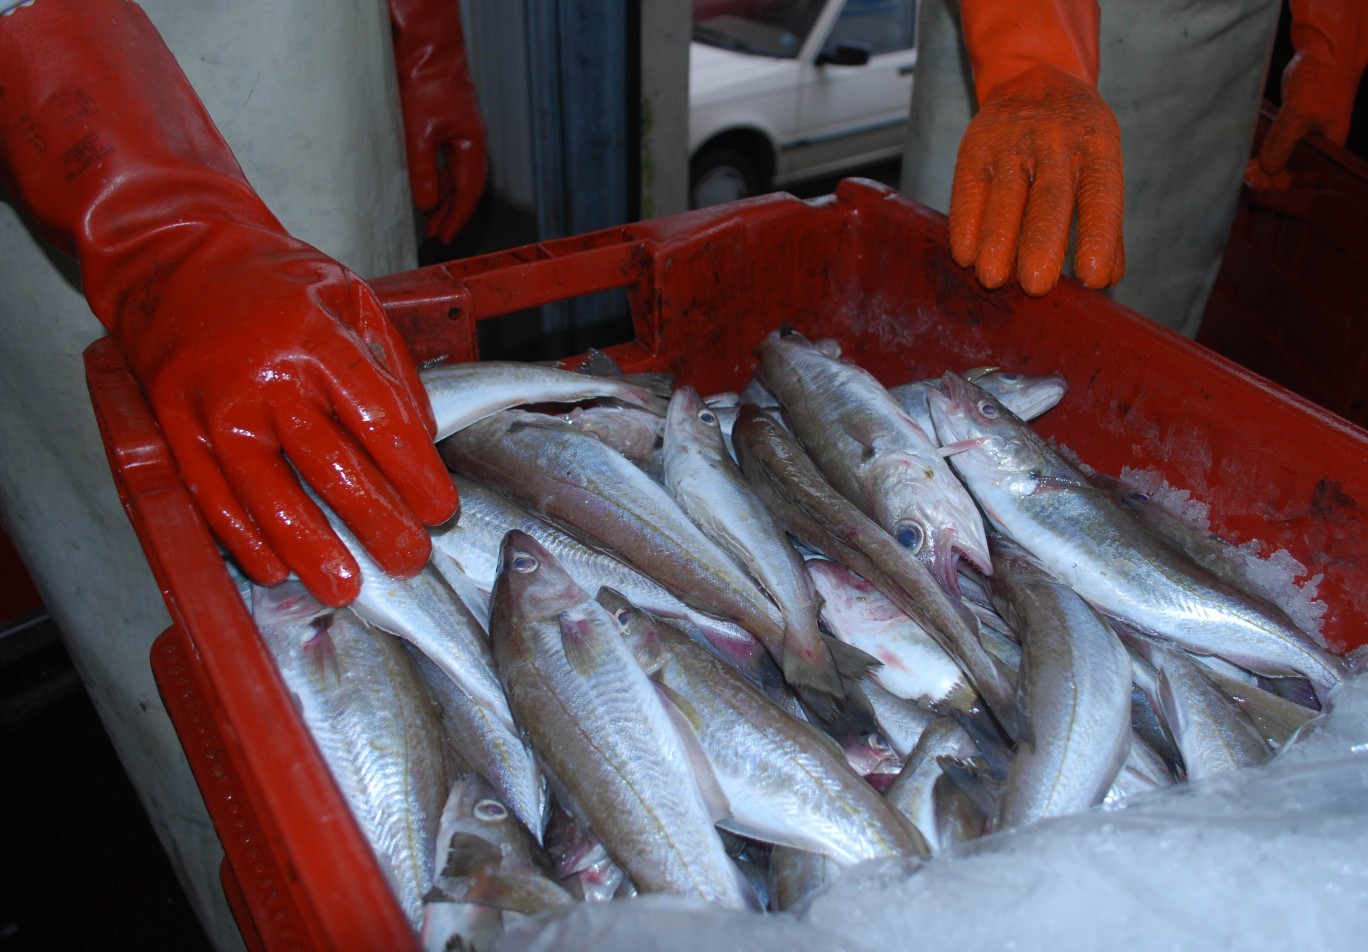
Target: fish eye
<point x="1009" y="378"/>
<point x="624" y="616"/>
<point x="987" y="409"/>
<point x="524" y="564"/>
<point x="707" y="416"/>
<point x="490" y="811"/>
<point x="1140" y="497"/>
<point x="909" y="536"/>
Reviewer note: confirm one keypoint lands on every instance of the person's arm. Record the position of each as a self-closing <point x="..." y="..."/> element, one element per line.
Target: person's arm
<point x="1042" y="142"/>
<point x="1318" y="84"/>
<point x="444" y="131"/>
<point x="261" y="356"/>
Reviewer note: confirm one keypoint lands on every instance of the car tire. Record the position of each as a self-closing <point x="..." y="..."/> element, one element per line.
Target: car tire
<point x="722" y="173"/>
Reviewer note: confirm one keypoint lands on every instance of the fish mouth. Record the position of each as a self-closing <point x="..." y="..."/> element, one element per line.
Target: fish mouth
<point x="948" y="547"/>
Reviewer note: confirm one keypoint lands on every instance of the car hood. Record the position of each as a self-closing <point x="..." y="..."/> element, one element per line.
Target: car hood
<point x="716" y="75"/>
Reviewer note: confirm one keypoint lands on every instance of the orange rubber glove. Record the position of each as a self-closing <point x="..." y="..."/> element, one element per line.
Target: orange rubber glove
<point x="255" y="350"/>
<point x="441" y="115"/>
<point x="1042" y="141"/>
<point x="1318" y="85"/>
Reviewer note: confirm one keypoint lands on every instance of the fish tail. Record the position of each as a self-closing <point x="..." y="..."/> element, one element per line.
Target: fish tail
<point x="852" y="664"/>
<point x="653" y="382"/>
<point x="808" y="663"/>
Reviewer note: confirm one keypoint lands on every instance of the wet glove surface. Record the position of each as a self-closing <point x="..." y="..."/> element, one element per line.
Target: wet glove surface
<point x="262" y="357"/>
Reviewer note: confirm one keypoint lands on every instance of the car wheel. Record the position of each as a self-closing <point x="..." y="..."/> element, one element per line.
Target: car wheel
<point x="721" y="174"/>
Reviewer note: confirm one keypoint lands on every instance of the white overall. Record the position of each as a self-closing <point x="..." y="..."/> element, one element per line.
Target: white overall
<point x="305" y="93"/>
<point x="1185" y="80"/>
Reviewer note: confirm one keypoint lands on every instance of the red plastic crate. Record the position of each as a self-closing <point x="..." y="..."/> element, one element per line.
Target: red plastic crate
<point x="867" y="266"/>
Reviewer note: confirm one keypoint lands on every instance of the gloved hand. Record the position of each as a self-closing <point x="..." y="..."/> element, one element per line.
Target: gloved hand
<point x="1318" y="85"/>
<point x="255" y="350"/>
<point x="441" y="115"/>
<point x="1042" y="141"/>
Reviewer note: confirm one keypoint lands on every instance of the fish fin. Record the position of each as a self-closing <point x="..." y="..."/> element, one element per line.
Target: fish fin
<point x="1055" y="483"/>
<point x="598" y="364"/>
<point x="686" y="727"/>
<point x="653" y="382"/>
<point x="681" y="703"/>
<point x="958" y="818"/>
<point x="977" y="779"/>
<point x="810" y="664"/>
<point x="852" y="663"/>
<point x="436" y="895"/>
<point x="467" y="855"/>
<point x="793" y="839"/>
<point x="582" y="644"/>
<point x="828" y="347"/>
<point x="961" y="697"/>
<point x="961" y="446"/>
<point x="976" y="373"/>
<point x="847" y="715"/>
<point x="987" y="736"/>
<point x="463" y="586"/>
<point x="321" y="654"/>
<point x="869" y="434"/>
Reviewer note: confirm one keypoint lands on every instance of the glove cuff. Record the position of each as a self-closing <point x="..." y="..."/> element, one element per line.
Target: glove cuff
<point x="1005" y="39"/>
<point x="105" y="143"/>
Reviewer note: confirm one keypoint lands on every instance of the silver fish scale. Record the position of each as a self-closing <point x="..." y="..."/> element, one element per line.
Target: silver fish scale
<point x="486" y="517"/>
<point x="488" y="745"/>
<point x="465" y="393"/>
<point x="893" y="471"/>
<point x="577" y="481"/>
<point x="426" y="612"/>
<point x="1094" y="545"/>
<point x="641" y="775"/>
<point x="705" y="481"/>
<point x="375" y="727"/>
<point x="1075" y="692"/>
<point x="784" y="782"/>
<point x="1104" y="556"/>
<point x="1213" y="733"/>
<point x="913" y="792"/>
<point x="634" y="787"/>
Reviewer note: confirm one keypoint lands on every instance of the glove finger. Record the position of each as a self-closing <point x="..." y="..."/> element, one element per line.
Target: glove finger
<point x="1045" y="232"/>
<point x="469" y="171"/>
<point x="1000" y="233"/>
<point x="432" y="224"/>
<point x="291" y="522"/>
<point x="968" y="196"/>
<point x="227" y="519"/>
<point x="422" y="159"/>
<point x="346" y="479"/>
<point x="375" y="410"/>
<point x="1289" y="127"/>
<point x="378" y="331"/>
<point x="1101" y="210"/>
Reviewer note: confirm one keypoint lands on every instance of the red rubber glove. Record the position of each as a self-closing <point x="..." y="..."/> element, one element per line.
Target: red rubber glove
<point x="255" y="350"/>
<point x="441" y="114"/>
<point x="1042" y="141"/>
<point x="1318" y="84"/>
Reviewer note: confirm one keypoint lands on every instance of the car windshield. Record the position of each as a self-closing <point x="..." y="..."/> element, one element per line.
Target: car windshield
<point x="763" y="27"/>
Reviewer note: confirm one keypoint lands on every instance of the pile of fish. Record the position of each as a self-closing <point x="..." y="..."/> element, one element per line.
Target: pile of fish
<point x="726" y="647"/>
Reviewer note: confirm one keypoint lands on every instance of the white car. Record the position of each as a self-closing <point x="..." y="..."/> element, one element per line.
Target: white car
<point x="783" y="90"/>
